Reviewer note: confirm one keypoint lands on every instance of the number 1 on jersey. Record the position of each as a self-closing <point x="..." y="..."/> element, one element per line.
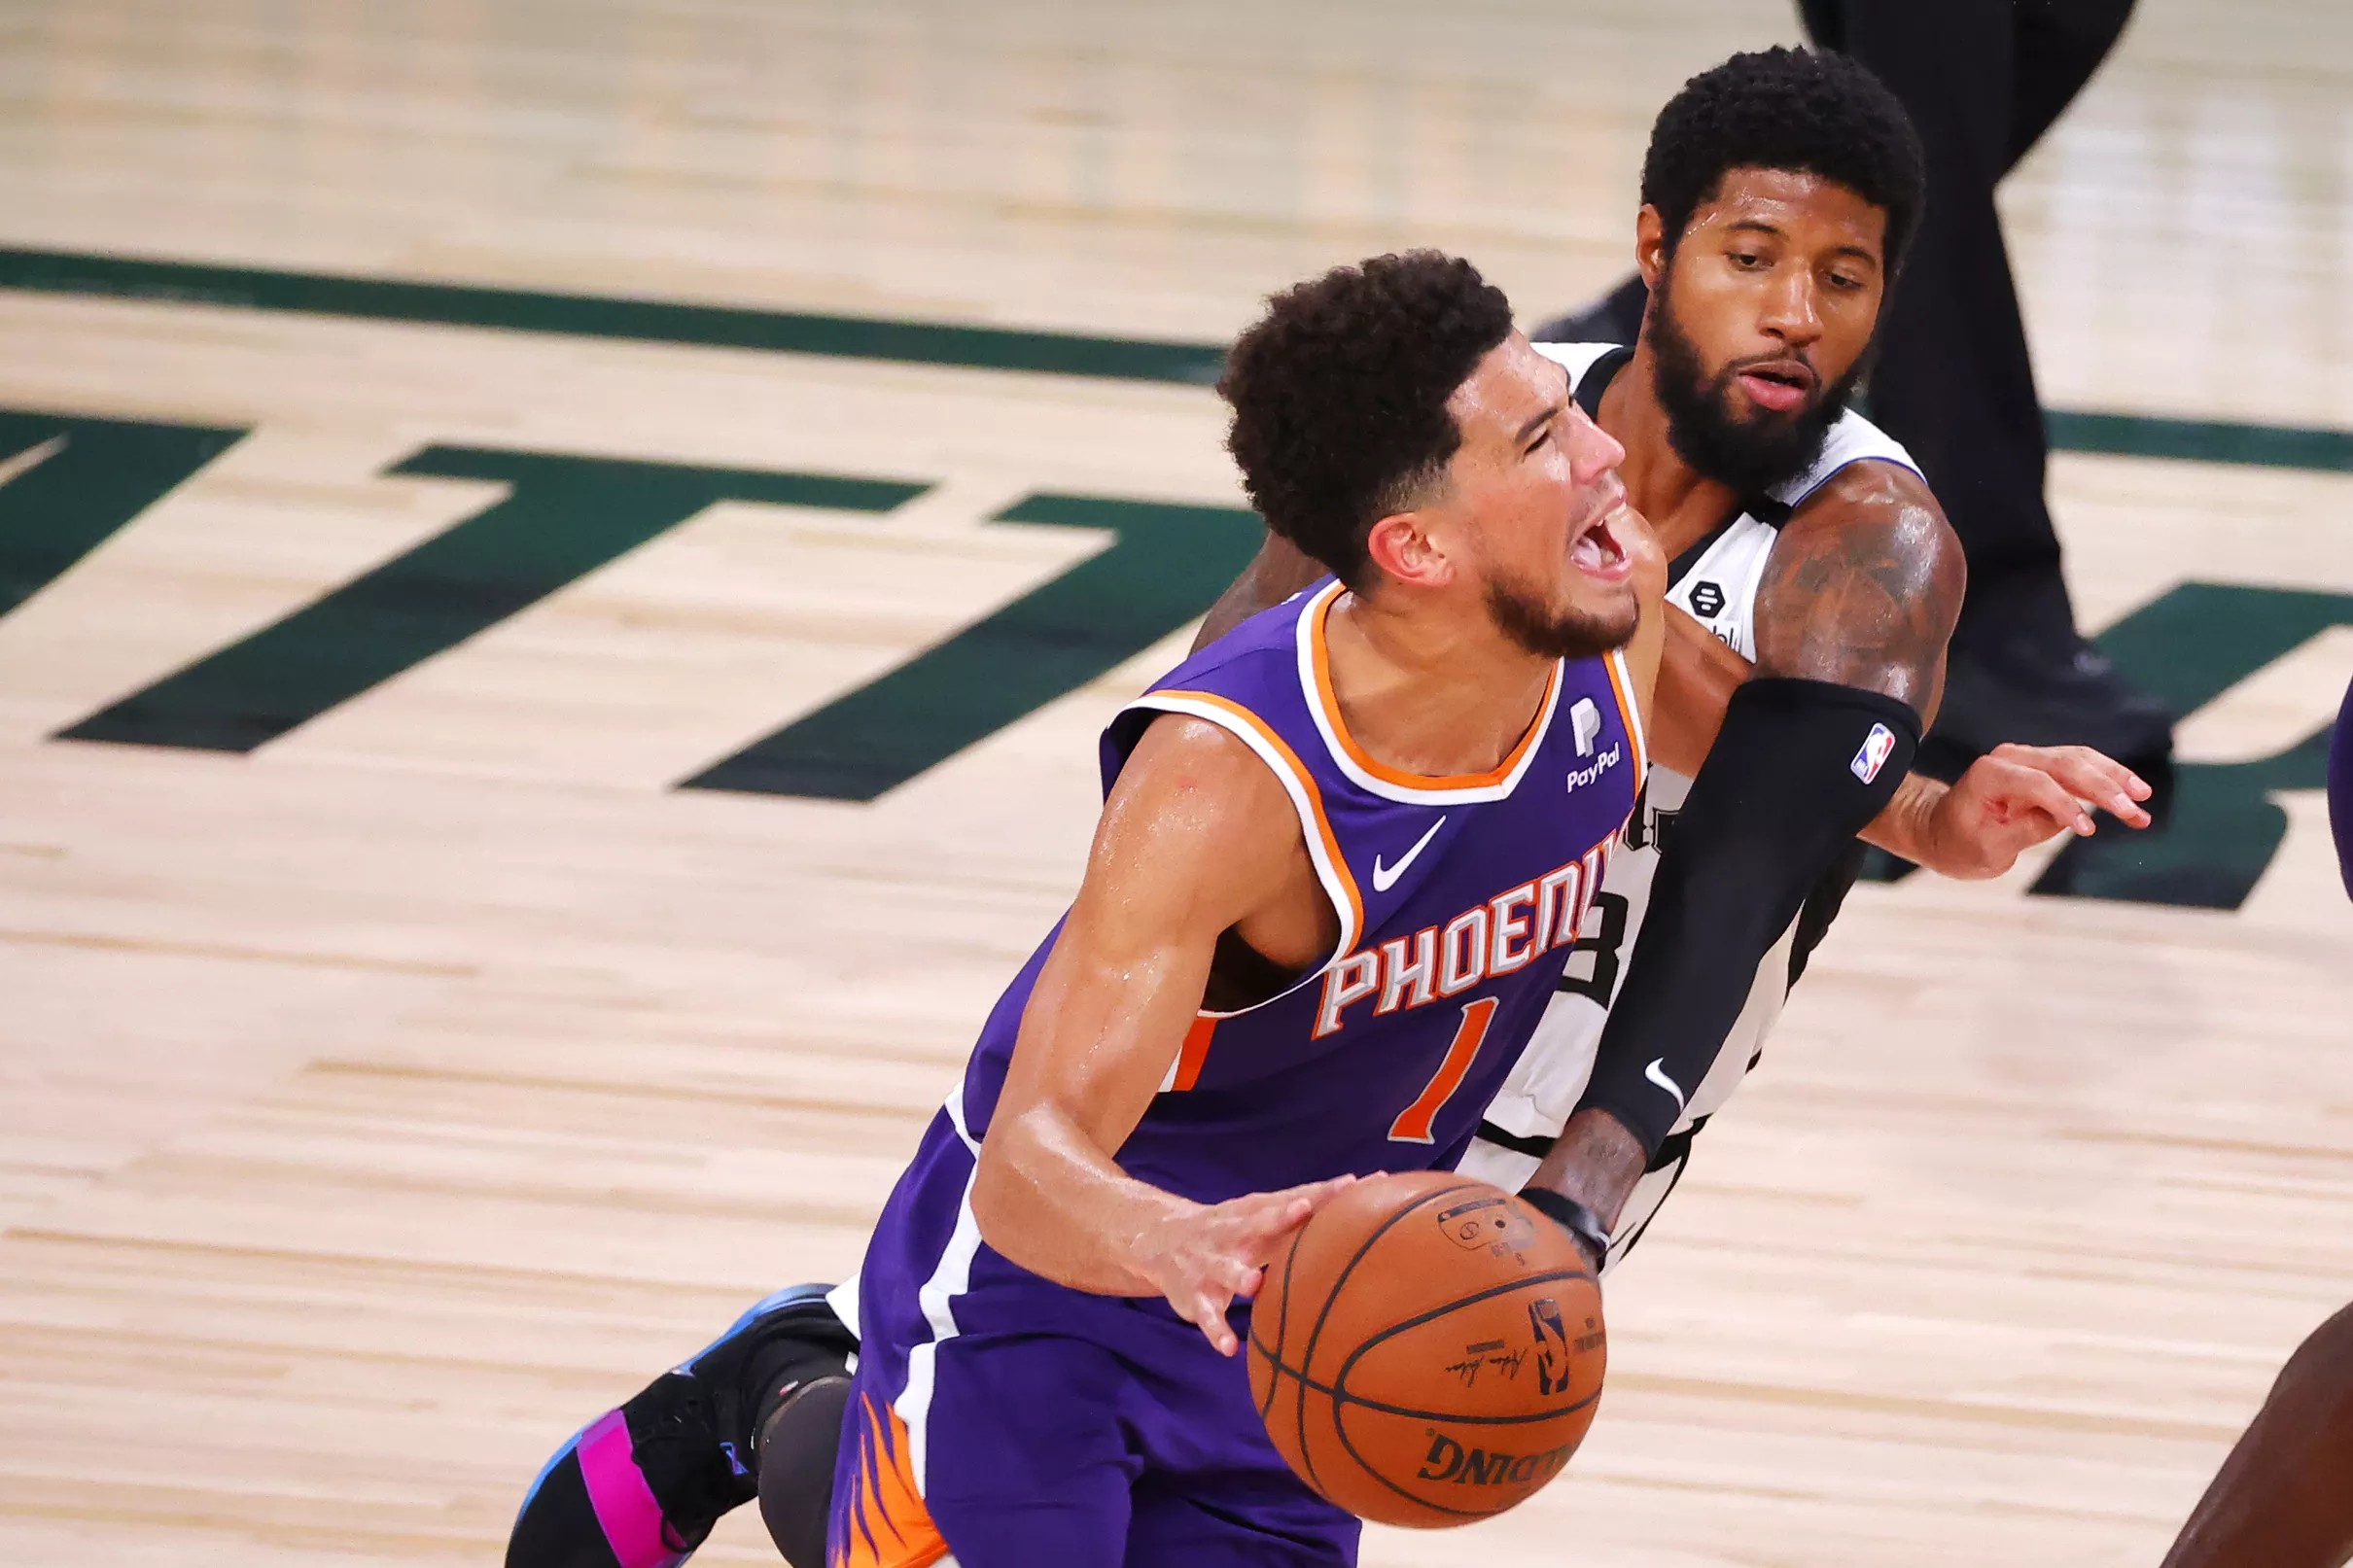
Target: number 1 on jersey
<point x="1413" y="1123"/>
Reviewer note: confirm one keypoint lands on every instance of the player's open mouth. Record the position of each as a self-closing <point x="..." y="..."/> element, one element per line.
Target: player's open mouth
<point x="1599" y="552"/>
<point x="1779" y="386"/>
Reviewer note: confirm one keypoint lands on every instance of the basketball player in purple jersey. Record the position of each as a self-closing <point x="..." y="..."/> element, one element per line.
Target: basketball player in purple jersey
<point x="2284" y="1498"/>
<point x="1342" y="856"/>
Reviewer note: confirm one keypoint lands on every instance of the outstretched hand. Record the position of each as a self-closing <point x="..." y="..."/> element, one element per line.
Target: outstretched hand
<point x="2018" y="796"/>
<point x="1207" y="1259"/>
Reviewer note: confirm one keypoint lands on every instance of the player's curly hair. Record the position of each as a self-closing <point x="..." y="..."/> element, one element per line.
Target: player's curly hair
<point x="1339" y="394"/>
<point x="1787" y="109"/>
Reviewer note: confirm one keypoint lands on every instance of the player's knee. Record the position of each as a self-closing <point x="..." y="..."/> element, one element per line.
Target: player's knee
<point x="798" y="1447"/>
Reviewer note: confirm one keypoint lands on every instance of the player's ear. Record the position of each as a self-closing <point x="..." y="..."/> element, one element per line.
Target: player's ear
<point x="1402" y="546"/>
<point x="1650" y="246"/>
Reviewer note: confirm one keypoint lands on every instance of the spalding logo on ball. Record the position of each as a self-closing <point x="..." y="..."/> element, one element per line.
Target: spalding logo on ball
<point x="1428" y="1351"/>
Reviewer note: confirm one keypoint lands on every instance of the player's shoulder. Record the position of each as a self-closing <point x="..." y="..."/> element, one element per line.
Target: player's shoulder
<point x="1246" y="686"/>
<point x="1866" y="507"/>
<point x="1180" y="749"/>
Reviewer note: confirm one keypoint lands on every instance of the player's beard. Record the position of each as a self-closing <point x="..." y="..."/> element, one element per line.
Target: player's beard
<point x="1535" y="627"/>
<point x="1749" y="455"/>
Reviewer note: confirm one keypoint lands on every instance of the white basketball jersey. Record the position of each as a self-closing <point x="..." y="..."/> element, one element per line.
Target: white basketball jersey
<point x="1716" y="582"/>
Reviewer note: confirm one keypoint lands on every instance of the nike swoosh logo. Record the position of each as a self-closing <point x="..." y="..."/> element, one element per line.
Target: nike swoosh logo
<point x="1656" y="1076"/>
<point x="1386" y="877"/>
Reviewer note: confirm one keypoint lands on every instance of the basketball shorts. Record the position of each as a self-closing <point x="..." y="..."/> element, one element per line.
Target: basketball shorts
<point x="998" y="1420"/>
<point x="2340" y="789"/>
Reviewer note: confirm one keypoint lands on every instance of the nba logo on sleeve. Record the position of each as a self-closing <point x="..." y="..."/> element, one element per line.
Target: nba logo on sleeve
<point x="1873" y="757"/>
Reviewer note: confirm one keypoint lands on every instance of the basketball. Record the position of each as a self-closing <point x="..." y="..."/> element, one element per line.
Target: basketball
<point x="1428" y="1351"/>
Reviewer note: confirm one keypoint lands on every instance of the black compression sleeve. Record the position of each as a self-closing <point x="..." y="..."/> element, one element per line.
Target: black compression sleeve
<point x="1798" y="770"/>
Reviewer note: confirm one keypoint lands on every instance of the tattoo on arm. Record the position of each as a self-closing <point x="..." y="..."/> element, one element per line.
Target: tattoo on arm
<point x="1864" y="588"/>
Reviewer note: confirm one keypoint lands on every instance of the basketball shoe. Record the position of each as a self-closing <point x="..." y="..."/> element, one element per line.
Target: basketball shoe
<point x="643" y="1484"/>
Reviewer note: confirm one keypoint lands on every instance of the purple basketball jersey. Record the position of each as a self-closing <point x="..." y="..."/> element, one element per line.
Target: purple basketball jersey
<point x="1457" y="898"/>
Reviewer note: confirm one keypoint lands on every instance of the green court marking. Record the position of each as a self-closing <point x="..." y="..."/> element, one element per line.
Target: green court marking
<point x="563" y="517"/>
<point x="577" y="315"/>
<point x="2221" y="829"/>
<point x="2202" y="440"/>
<point x="864" y="337"/>
<point x="1166" y="564"/>
<point x="72" y="482"/>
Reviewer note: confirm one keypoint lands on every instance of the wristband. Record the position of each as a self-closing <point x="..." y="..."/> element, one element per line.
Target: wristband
<point x="1582" y="1224"/>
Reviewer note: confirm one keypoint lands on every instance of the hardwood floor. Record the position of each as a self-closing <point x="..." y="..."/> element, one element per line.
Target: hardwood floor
<point x="383" y="1094"/>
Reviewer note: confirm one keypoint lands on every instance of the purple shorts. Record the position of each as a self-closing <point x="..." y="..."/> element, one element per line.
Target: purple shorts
<point x="1014" y="1423"/>
<point x="2340" y="789"/>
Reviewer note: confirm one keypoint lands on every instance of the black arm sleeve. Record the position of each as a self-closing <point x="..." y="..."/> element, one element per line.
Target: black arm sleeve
<point x="1798" y="770"/>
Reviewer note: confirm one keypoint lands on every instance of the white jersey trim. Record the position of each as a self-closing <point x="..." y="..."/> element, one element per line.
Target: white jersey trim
<point x="1575" y="358"/>
<point x="1338" y="886"/>
<point x="937" y="1296"/>
<point x="1852" y="439"/>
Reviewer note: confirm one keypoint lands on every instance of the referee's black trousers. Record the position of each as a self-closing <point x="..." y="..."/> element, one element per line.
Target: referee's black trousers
<point x="1983" y="79"/>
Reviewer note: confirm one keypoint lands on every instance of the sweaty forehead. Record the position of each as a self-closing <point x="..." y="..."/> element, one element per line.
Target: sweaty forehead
<point x="1511" y="384"/>
<point x="1791" y="199"/>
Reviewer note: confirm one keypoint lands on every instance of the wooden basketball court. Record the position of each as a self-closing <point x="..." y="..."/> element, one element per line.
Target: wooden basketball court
<point x="559" y="567"/>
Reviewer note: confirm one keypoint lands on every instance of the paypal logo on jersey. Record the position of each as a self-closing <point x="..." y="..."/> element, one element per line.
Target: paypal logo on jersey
<point x="1579" y="778"/>
<point x="1585" y="722"/>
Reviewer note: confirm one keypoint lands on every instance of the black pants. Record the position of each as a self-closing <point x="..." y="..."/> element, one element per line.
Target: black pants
<point x="1983" y="79"/>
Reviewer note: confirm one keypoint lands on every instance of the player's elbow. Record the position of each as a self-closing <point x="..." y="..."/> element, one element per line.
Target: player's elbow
<point x="1008" y="1206"/>
<point x="995" y="1210"/>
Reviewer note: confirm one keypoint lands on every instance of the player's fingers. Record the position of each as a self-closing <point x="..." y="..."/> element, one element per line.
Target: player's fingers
<point x="2083" y="768"/>
<point x="1202" y="1308"/>
<point x="1209" y="1317"/>
<point x="2131" y="783"/>
<point x="1318" y="1193"/>
<point x="1279" y="1213"/>
<point x="1256" y="1225"/>
<point x="2092" y="777"/>
<point x="1234" y="1274"/>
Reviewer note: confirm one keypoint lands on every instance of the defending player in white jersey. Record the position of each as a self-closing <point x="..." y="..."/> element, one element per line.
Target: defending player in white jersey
<point x="1818" y="584"/>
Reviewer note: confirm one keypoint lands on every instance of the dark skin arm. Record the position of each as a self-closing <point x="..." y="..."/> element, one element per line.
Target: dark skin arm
<point x="2284" y="1498"/>
<point x="2010" y="800"/>
<point x="1276" y="572"/>
<point x="1861" y="590"/>
<point x="1864" y="588"/>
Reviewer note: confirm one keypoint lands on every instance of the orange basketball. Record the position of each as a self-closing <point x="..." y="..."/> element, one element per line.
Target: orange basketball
<point x="1428" y="1351"/>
